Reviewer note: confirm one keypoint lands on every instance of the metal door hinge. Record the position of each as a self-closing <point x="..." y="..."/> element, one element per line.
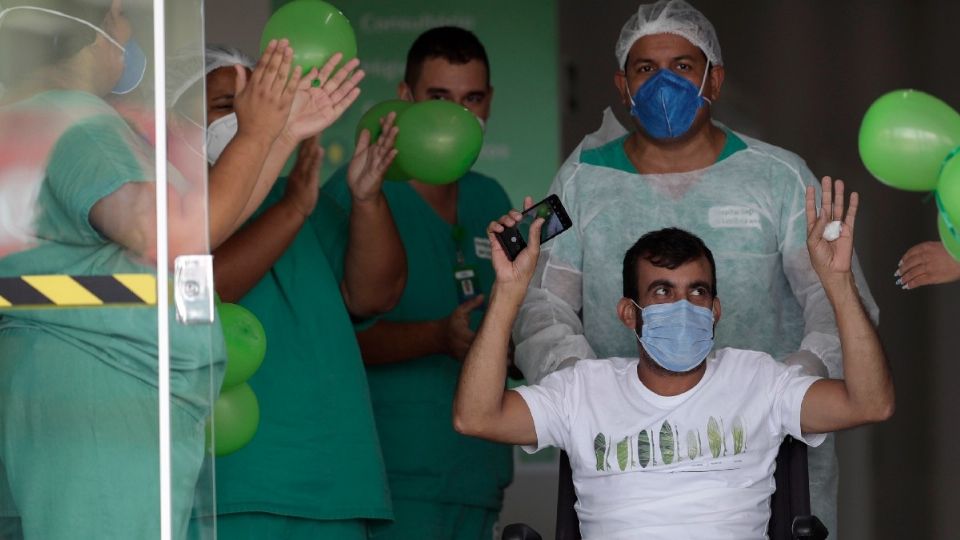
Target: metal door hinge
<point x="193" y="289"/>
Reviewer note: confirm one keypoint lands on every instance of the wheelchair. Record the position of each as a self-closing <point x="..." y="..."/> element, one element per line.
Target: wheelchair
<point x="790" y="517"/>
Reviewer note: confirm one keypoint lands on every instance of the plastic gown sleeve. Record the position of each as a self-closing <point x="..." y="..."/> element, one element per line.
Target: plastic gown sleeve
<point x="549" y="333"/>
<point x="820" y="335"/>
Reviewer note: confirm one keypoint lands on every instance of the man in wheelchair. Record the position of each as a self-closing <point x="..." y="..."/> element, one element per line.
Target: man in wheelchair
<point x="680" y="442"/>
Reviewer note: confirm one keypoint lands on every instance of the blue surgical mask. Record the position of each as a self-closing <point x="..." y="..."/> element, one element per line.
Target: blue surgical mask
<point x="134" y="66"/>
<point x="677" y="336"/>
<point x="666" y="104"/>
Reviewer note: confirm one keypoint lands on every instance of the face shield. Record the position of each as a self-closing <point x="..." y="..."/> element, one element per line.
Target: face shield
<point x="134" y="59"/>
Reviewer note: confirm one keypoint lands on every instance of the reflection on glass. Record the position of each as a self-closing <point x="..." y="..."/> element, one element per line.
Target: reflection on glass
<point x="78" y="387"/>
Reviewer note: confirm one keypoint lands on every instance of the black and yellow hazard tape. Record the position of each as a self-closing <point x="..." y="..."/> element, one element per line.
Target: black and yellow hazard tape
<point x="60" y="291"/>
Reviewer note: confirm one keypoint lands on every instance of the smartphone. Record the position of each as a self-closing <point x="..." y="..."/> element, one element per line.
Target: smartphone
<point x="555" y="222"/>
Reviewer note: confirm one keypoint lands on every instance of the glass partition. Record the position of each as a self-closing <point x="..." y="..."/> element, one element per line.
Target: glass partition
<point x="81" y="347"/>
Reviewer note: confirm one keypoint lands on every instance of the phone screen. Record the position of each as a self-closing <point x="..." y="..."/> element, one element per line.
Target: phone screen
<point x="555" y="221"/>
<point x="552" y="225"/>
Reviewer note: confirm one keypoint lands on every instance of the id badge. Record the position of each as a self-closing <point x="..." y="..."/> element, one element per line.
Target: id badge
<point x="468" y="285"/>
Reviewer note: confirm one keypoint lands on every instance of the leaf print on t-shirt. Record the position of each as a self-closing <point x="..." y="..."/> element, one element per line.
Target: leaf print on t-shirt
<point x="666" y="443"/>
<point x="739" y="436"/>
<point x="600" y="449"/>
<point x="693" y="444"/>
<point x="714" y="437"/>
<point x="643" y="448"/>
<point x="623" y="451"/>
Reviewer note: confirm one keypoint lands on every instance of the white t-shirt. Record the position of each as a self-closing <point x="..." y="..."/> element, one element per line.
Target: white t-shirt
<point x="696" y="465"/>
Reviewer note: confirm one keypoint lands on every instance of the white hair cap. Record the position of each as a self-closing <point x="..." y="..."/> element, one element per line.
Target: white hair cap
<point x="219" y="56"/>
<point x="669" y="17"/>
<point x="183" y="69"/>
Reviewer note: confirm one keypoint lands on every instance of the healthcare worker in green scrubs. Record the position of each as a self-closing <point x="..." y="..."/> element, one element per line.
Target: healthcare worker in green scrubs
<point x="306" y="269"/>
<point x="79" y="433"/>
<point x="443" y="485"/>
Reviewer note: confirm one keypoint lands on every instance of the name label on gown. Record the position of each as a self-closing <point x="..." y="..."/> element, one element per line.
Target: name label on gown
<point x="733" y="217"/>
<point x="481" y="247"/>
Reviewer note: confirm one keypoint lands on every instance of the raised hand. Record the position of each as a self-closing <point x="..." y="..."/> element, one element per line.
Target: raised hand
<point x="456" y="328"/>
<point x="303" y="184"/>
<point x="927" y="263"/>
<point x="370" y="161"/>
<point x="316" y="108"/>
<point x="830" y="259"/>
<point x="516" y="273"/>
<point x="263" y="103"/>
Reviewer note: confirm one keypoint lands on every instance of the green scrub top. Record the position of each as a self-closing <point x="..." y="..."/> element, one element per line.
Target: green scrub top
<point x="412" y="400"/>
<point x="93" y="158"/>
<point x="315" y="454"/>
<point x="85" y="378"/>
<point x="614" y="155"/>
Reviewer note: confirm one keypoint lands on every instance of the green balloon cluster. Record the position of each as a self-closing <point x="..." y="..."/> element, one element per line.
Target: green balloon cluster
<point x="236" y="413"/>
<point x="437" y="143"/>
<point x="246" y="343"/>
<point x="910" y="140"/>
<point x="236" y="416"/>
<point x="948" y="193"/>
<point x="948" y="203"/>
<point x="950" y="239"/>
<point x="316" y="31"/>
<point x="904" y="138"/>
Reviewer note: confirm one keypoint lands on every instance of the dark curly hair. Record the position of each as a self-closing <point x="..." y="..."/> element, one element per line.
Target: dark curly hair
<point x="666" y="248"/>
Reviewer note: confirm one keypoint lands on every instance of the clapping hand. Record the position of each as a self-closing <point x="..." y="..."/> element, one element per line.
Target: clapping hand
<point x="370" y="161"/>
<point x="315" y="108"/>
<point x="303" y="184"/>
<point x="264" y="102"/>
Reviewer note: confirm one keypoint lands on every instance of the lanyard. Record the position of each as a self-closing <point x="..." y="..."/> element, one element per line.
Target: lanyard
<point x="465" y="276"/>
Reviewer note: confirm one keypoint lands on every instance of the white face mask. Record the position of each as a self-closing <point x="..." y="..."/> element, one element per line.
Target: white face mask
<point x="483" y="124"/>
<point x="219" y="135"/>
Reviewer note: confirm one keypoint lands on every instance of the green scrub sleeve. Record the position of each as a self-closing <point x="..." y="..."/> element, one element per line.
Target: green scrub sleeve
<point x="90" y="161"/>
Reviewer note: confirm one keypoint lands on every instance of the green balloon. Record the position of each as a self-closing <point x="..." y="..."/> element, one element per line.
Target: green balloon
<point x="316" y="30"/>
<point x="950" y="240"/>
<point x="905" y="136"/>
<point x="371" y="122"/>
<point x="246" y="343"/>
<point x="371" y="119"/>
<point x="236" y="415"/>
<point x="438" y="141"/>
<point x="948" y="189"/>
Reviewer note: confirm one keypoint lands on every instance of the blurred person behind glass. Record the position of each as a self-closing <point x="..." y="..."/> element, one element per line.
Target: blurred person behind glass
<point x="78" y="388"/>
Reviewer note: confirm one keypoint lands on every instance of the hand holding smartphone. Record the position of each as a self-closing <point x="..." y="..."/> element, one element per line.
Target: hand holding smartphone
<point x="556" y="220"/>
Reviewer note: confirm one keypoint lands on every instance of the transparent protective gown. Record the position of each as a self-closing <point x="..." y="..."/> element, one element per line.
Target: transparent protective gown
<point x="79" y="345"/>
